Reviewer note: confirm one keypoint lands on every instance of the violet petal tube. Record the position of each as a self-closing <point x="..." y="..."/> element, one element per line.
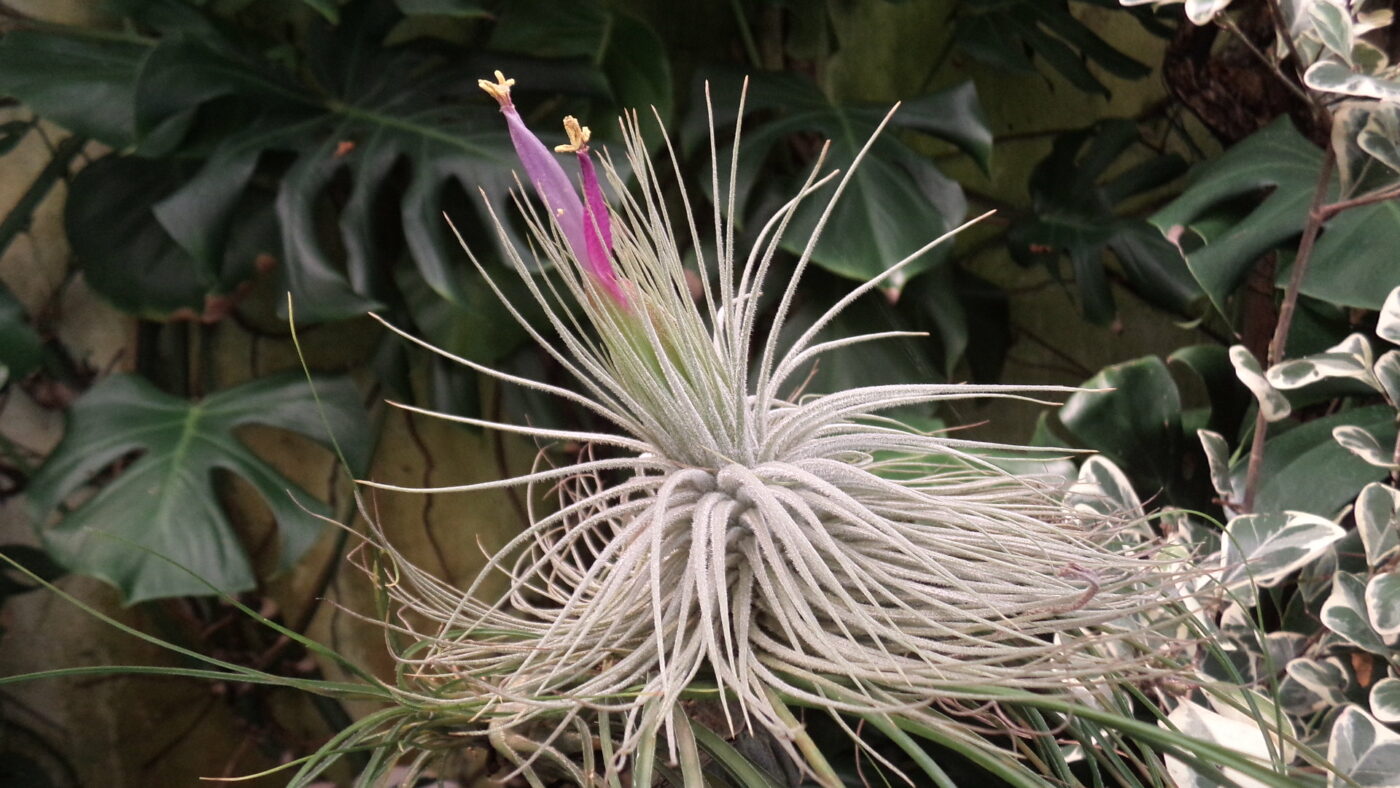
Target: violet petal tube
<point x="588" y="231"/>
<point x="551" y="183"/>
<point x="598" y="230"/>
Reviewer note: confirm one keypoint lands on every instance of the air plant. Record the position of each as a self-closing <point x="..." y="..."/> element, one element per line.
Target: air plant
<point x="739" y="535"/>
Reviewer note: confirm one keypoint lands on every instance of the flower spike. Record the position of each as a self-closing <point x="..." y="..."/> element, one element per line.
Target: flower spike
<point x="598" y="224"/>
<point x="549" y="179"/>
<point x="772" y="546"/>
<point x="587" y="231"/>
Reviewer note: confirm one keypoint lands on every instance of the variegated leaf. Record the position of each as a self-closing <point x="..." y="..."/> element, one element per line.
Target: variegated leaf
<point x="1263" y="549"/>
<point x="1364" y="445"/>
<point x="1388" y="326"/>
<point x="1385" y="700"/>
<point x="1247" y="369"/>
<point x="1383" y="603"/>
<point x="1218" y="457"/>
<point x="1364" y="750"/>
<point x="1378" y="521"/>
<point x="1345" y="613"/>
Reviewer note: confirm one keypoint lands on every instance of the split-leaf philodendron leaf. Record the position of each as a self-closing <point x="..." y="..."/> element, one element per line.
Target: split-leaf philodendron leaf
<point x="1350" y="265"/>
<point x="1073" y="214"/>
<point x="366" y="146"/>
<point x="157" y="527"/>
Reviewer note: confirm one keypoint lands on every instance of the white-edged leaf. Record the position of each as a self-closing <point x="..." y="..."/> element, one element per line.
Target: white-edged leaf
<point x="1315" y="578"/>
<point x="1333" y="76"/>
<point x="1383" y="603"/>
<point x="1350" y="358"/>
<point x="1387" y="372"/>
<point x="1323" y="678"/>
<point x="1378" y="521"/>
<point x="1332" y="23"/>
<point x="1380" y="137"/>
<point x="1388" y="326"/>
<point x="1283" y="647"/>
<point x="1218" y="458"/>
<point x="1385" y="700"/>
<point x="1345" y="613"/>
<point x="1364" y="445"/>
<point x="1102" y="488"/>
<point x="1243" y="736"/>
<point x="1204" y="539"/>
<point x="1364" y="750"/>
<point x="1263" y="549"/>
<point x="1238" y="624"/>
<point x="1200" y="12"/>
<point x="1312" y="686"/>
<point x="1255" y="708"/>
<point x="1271" y="403"/>
<point x="1366" y="21"/>
<point x="1298" y="19"/>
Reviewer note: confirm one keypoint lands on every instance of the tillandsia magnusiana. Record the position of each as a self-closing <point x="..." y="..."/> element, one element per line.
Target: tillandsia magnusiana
<point x="773" y="546"/>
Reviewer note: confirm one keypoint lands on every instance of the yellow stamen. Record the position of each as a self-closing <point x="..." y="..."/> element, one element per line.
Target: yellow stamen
<point x="578" y="136"/>
<point x="499" y="90"/>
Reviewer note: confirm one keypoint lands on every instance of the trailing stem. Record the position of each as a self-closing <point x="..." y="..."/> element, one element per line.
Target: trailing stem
<point x="1319" y="213"/>
<point x="1317" y="216"/>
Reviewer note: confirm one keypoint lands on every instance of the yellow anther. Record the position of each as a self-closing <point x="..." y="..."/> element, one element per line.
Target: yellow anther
<point x="578" y="136"/>
<point x="499" y="90"/>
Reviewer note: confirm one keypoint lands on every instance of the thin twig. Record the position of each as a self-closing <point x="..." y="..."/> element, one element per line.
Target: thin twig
<point x="1316" y="218"/>
<point x="1281" y="30"/>
<point x="1332" y="209"/>
<point x="1229" y="24"/>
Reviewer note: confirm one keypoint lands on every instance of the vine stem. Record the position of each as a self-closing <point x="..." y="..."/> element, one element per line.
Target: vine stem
<point x="1318" y="214"/>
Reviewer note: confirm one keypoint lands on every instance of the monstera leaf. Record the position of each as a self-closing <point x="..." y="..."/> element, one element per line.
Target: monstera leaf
<point x="1349" y="265"/>
<point x="157" y="526"/>
<point x="83" y="82"/>
<point x="897" y="200"/>
<point x="356" y="152"/>
<point x="1006" y="33"/>
<point x="1073" y="215"/>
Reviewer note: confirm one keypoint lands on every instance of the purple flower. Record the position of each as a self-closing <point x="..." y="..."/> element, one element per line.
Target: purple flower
<point x="587" y="229"/>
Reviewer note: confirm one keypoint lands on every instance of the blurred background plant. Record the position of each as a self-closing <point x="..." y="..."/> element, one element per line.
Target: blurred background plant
<point x="1194" y="208"/>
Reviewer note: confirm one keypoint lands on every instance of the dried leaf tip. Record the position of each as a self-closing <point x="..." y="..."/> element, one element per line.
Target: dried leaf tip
<point x="499" y="90"/>
<point x="578" y="136"/>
